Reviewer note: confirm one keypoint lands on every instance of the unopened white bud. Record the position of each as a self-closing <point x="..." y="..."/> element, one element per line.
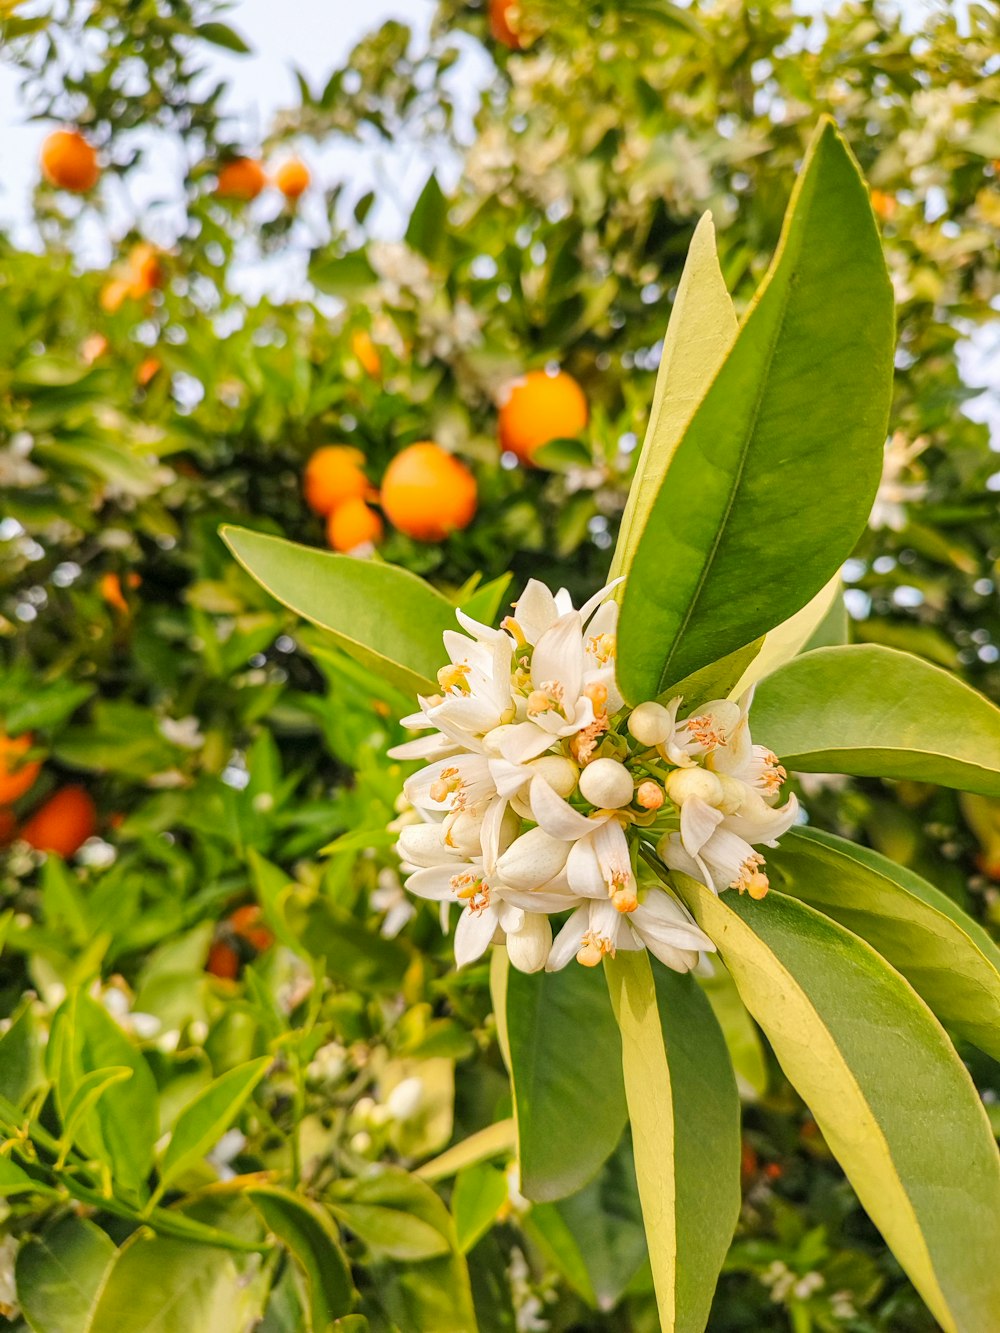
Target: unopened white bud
<point x="528" y="949"/>
<point x="734" y="793"/>
<point x="423" y="845"/>
<point x="559" y="772"/>
<point x="650" y="724"/>
<point x="532" y="860"/>
<point x="406" y="1099"/>
<point x="462" y="832"/>
<point x="493" y="738"/>
<point x="607" y="784"/>
<point x="684" y="784"/>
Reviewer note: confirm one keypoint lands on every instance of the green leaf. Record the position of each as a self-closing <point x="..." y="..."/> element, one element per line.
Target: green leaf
<point x="15" y="1180"/>
<point x="685" y="1117"/>
<point x="484" y="604"/>
<point x="59" y="1275"/>
<point x="739" y="1030"/>
<point x="426" y="230"/>
<point x="87" y="1093"/>
<point x="163" y="1286"/>
<point x="122" y="1128"/>
<point x="701" y="331"/>
<point x="385" y="617"/>
<point x="395" y="1214"/>
<point x="495" y="1140"/>
<point x="946" y="957"/>
<point x="479" y="1194"/>
<point x="220" y="34"/>
<point x="312" y="1240"/>
<point x="205" y="1119"/>
<point x="567" y="1123"/>
<point x="771" y="484"/>
<point x="789" y="638"/>
<point x="875" y="712"/>
<point x="895" y="1104"/>
<point x="20" y="1057"/>
<point x="719" y="679"/>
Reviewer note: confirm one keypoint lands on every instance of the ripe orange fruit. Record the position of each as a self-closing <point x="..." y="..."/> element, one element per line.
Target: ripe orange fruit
<point x="63" y="824"/>
<point x="333" y="474"/>
<point x="353" y="524"/>
<point x="501" y="27"/>
<point x="145" y="270"/>
<point x="540" y="407"/>
<point x="110" y="586"/>
<point x="223" y="961"/>
<point x="428" y="493"/>
<point x="69" y="162"/>
<point x="292" y="178"/>
<point x="247" y="923"/>
<point x="242" y="178"/>
<point x="16" y="774"/>
<point x="147" y="370"/>
<point x="366" y="352"/>
<point x="884" y="205"/>
<point x="8" y="823"/>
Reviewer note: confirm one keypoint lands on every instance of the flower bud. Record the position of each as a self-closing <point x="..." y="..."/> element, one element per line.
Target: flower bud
<point x="532" y="860"/>
<point x="406" y="1099"/>
<point x="528" y="949"/>
<point x="423" y="845"/>
<point x="650" y="723"/>
<point x="559" y="772"/>
<point x="607" y="784"/>
<point x="734" y="793"/>
<point x="649" y="795"/>
<point x="683" y="784"/>
<point x="462" y="833"/>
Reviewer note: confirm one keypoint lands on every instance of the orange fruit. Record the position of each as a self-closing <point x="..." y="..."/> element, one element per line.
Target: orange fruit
<point x="17" y="775"/>
<point x="69" y="162"/>
<point x="114" y="293"/>
<point x="292" y="178"/>
<point x="884" y="205"/>
<point x="145" y="270"/>
<point x="63" y="824"/>
<point x="501" y="27"/>
<point x="247" y="923"/>
<point x="428" y="493"/>
<point x="353" y="524"/>
<point x="540" y="407"/>
<point x="242" y="178"/>
<point x="366" y="352"/>
<point x="110" y="586"/>
<point x="147" y="370"/>
<point x="333" y="474"/>
<point x="223" y="961"/>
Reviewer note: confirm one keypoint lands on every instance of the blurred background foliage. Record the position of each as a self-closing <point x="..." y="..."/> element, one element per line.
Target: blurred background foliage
<point x="178" y="753"/>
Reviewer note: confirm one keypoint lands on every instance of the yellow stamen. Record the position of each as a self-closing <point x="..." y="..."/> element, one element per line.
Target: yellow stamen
<point x="598" y="696"/>
<point x="453" y="679"/>
<point x="593" y="949"/>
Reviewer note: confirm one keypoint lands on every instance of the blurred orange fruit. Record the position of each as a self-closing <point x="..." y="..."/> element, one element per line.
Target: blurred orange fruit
<point x="428" y="493"/>
<point x="69" y="162"/>
<point x="540" y="407"/>
<point x="114" y="294"/>
<point x="353" y="524"/>
<point x="17" y="775"/>
<point x="63" y="824"/>
<point x="8" y="823"/>
<point x="884" y="205"/>
<point x="501" y="27"/>
<point x="292" y="178"/>
<point x="147" y="370"/>
<point x="333" y="474"/>
<point x="223" y="961"/>
<point x="243" y="178"/>
<point x="366" y="353"/>
<point x="110" y="587"/>
<point x="248" y="923"/>
<point x="145" y="269"/>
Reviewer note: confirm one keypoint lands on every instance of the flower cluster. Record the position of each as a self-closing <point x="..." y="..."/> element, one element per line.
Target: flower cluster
<point x="544" y="794"/>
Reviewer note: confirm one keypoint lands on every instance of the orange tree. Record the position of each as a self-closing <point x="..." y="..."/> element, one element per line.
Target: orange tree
<point x="223" y="746"/>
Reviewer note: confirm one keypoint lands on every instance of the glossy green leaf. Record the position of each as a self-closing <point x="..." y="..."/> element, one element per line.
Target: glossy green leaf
<point x="205" y="1119"/>
<point x="312" y="1240"/>
<point x="485" y="602"/>
<point x="567" y="1125"/>
<point x="479" y="1194"/>
<point x="946" y="957"/>
<point x="20" y="1057"/>
<point x="164" y="1286"/>
<point x="383" y="616"/>
<point x="15" y="1180"/>
<point x="685" y="1116"/>
<point x="771" y="484"/>
<point x="425" y="231"/>
<point x="121" y="1128"/>
<point x="741" y="1034"/>
<point x="875" y="712"/>
<point x="395" y="1215"/>
<point x="701" y="331"/>
<point x="59" y="1275"/>
<point x="789" y="638"/>
<point x="499" y="1139"/>
<point x="894" y="1102"/>
<point x="87" y="1094"/>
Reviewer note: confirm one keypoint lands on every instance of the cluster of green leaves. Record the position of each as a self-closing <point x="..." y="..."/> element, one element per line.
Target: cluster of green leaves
<point x="573" y="257"/>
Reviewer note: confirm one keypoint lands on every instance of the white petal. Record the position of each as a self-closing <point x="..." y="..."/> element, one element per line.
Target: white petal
<point x="699" y="820"/>
<point x="484" y="633"/>
<point x="434" y="882"/>
<point x="535" y="610"/>
<point x="532" y="860"/>
<point x="524" y="741"/>
<point x="566" y="944"/>
<point x="674" y="856"/>
<point x="509" y="778"/>
<point x="660" y="917"/>
<point x="423" y="845"/>
<point x="583" y="870"/>
<point x="590" y="606"/>
<point x="558" y="656"/>
<point x="425" y="747"/>
<point x="511" y="918"/>
<point x="474" y="934"/>
<point x="557" y="816"/>
<point x="528" y="948"/>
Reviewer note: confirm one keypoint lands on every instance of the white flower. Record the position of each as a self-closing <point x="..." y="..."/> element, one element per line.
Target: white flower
<point x="389" y="898"/>
<point x="659" y="924"/>
<point x="894" y="491"/>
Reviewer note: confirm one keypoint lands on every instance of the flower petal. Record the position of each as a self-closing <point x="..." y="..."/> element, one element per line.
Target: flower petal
<point x="434" y="882"/>
<point x="474" y="934"/>
<point x="556" y="816"/>
<point x="566" y="944"/>
<point x="558" y="657"/>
